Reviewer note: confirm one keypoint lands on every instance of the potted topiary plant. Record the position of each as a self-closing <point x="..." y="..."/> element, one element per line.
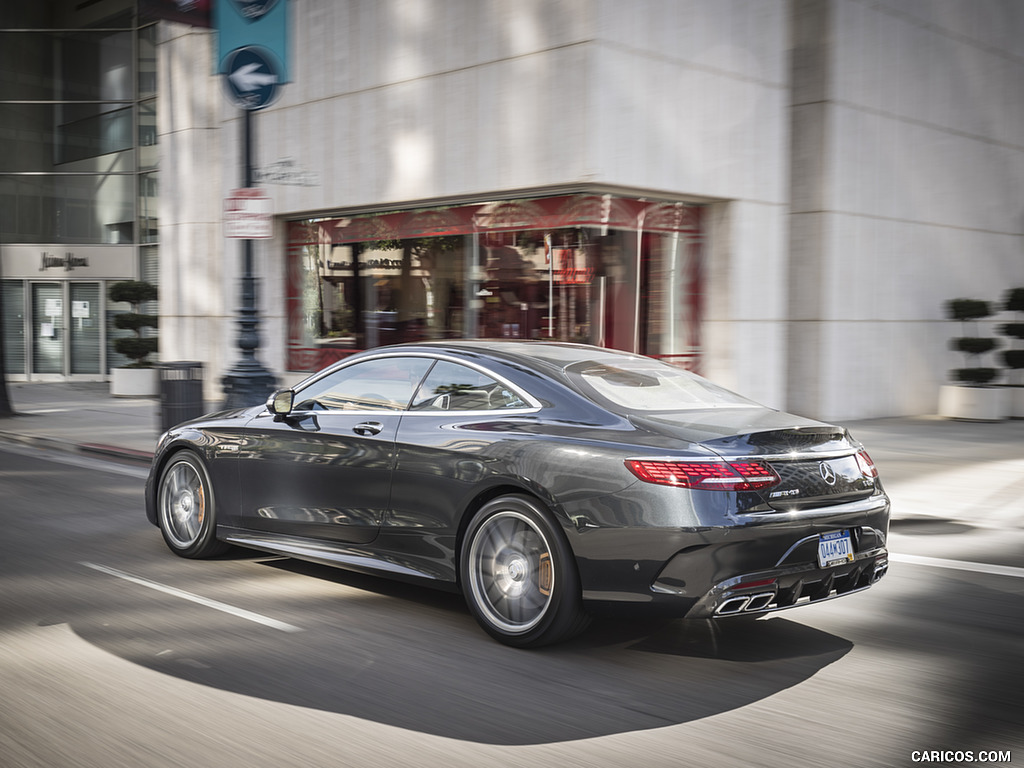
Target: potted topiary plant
<point x="972" y="398"/>
<point x="138" y="378"/>
<point x="1014" y="358"/>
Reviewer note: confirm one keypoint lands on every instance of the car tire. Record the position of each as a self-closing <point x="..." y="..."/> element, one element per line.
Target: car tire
<point x="186" y="508"/>
<point x="518" y="574"/>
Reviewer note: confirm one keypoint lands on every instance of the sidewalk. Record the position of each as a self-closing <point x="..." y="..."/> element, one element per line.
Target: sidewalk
<point x="931" y="467"/>
<point x="82" y="417"/>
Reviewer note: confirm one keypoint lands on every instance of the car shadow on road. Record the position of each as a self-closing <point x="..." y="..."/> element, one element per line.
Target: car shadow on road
<point x="413" y="658"/>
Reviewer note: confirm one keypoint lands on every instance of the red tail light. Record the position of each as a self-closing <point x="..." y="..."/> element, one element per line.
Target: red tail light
<point x="867" y="466"/>
<point x="705" y="475"/>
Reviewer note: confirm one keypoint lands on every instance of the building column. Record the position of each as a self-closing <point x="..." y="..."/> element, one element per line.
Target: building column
<point x="197" y="294"/>
<point x="809" y="208"/>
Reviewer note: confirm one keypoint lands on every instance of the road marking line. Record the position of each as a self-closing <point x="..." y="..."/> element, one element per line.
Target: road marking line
<point x="239" y="612"/>
<point x="959" y="565"/>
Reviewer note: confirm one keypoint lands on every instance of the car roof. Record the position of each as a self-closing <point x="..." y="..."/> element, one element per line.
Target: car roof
<point x="551" y="354"/>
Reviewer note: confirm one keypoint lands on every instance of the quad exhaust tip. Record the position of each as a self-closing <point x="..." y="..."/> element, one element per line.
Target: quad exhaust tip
<point x="745" y="604"/>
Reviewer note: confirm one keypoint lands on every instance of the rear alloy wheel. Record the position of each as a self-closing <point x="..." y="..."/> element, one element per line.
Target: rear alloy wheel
<point x="519" y="576"/>
<point x="186" y="511"/>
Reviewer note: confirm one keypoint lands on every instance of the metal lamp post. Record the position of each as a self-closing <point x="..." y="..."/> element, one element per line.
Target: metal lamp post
<point x="247" y="382"/>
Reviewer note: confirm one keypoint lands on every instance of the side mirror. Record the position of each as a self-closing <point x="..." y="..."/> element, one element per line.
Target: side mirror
<point x="280" y="403"/>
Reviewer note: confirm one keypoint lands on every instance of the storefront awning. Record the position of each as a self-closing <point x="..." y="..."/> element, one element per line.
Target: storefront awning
<point x="544" y="214"/>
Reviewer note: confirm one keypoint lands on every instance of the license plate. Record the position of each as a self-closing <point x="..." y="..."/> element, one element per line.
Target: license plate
<point x="834" y="549"/>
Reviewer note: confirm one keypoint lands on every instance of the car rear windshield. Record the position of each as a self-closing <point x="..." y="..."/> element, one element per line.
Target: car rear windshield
<point x="643" y="384"/>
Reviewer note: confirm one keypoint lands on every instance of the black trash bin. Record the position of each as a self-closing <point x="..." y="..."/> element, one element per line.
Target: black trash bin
<point x="181" y="393"/>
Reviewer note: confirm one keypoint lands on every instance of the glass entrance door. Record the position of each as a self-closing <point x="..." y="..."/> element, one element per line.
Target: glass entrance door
<point x="47" y="329"/>
<point x="85" y="328"/>
<point x="66" y="334"/>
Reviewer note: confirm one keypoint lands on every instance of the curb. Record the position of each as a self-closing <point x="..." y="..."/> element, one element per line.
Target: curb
<point x="128" y="455"/>
<point x="144" y="458"/>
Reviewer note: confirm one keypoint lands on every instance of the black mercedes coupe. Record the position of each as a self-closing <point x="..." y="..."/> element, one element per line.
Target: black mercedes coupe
<point x="545" y="481"/>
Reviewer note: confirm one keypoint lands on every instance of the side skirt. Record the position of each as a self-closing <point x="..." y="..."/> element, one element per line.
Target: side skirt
<point x="352" y="557"/>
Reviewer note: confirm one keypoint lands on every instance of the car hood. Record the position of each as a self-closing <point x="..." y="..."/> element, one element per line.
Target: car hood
<point x="218" y="418"/>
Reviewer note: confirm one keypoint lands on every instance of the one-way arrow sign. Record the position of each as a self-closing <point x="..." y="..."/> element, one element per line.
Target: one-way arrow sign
<point x="247" y="78"/>
<point x="252" y="77"/>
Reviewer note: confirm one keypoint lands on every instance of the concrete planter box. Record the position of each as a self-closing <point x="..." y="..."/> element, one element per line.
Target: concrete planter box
<point x="974" y="403"/>
<point x="134" y="382"/>
<point x="1016" y="396"/>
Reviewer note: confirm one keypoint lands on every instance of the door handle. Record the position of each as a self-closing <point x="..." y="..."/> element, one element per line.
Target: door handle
<point x="368" y="428"/>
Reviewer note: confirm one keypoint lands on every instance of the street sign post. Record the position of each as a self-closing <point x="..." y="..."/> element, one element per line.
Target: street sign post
<point x="253" y="56"/>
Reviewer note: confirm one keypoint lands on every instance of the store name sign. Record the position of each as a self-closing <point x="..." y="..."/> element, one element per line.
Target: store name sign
<point x="67" y="262"/>
<point x="373" y="268"/>
<point x="59" y="261"/>
<point x="286" y="171"/>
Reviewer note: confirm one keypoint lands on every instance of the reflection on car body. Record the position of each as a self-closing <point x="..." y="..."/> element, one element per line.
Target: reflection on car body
<point x="544" y="481"/>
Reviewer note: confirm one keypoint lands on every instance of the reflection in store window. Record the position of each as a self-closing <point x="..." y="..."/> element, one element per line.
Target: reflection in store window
<point x="616" y="272"/>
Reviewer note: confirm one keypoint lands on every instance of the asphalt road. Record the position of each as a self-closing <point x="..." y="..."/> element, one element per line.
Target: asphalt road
<point x="113" y="652"/>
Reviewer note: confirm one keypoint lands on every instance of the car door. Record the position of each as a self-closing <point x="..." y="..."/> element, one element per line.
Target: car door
<point x="324" y="472"/>
<point x="450" y="440"/>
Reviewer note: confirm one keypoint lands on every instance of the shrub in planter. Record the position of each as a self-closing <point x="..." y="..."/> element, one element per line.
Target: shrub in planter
<point x="1015" y="300"/>
<point x="965" y="311"/>
<point x="137" y="348"/>
<point x="1014" y="358"/>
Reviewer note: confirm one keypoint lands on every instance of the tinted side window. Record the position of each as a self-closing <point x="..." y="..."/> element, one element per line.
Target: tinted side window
<point x="454" y="387"/>
<point x="381" y="384"/>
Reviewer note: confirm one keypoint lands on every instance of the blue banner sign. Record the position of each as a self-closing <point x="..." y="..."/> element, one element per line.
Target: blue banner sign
<point x="253" y="23"/>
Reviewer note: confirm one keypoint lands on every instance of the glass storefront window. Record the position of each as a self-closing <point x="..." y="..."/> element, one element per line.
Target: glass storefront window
<point x="616" y="272"/>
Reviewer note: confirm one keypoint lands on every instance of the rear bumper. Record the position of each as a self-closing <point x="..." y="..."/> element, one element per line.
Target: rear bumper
<point x="778" y="589"/>
<point x="746" y="565"/>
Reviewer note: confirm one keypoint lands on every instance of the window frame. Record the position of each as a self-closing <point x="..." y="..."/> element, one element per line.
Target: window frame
<point x="495" y="381"/>
<point x="532" y="405"/>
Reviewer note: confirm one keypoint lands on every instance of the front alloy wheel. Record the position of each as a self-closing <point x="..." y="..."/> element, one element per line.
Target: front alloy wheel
<point x="185" y="508"/>
<point x="519" y="576"/>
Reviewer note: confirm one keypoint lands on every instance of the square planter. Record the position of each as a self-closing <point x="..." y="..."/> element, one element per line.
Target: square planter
<point x="1016" y="402"/>
<point x="974" y="403"/>
<point x="134" y="382"/>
